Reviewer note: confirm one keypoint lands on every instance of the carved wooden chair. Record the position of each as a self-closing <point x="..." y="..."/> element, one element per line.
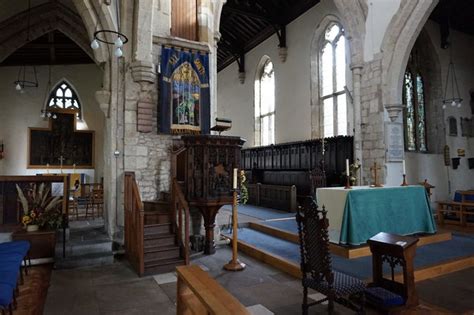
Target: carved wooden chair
<point x="316" y="263"/>
<point x="317" y="177"/>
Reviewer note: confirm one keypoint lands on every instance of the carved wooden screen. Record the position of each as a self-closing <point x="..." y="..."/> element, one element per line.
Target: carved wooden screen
<point x="184" y="23"/>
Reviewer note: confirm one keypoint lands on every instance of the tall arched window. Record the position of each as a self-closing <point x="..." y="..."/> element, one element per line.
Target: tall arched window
<point x="265" y="104"/>
<point x="414" y="114"/>
<point x="333" y="80"/>
<point x="63" y="96"/>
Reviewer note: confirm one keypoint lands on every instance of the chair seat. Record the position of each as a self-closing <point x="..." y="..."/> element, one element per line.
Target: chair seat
<point x="344" y="285"/>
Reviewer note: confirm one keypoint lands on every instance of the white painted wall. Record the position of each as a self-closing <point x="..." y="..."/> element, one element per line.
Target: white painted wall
<point x="379" y="15"/>
<point x="292" y="82"/>
<point x="20" y="111"/>
<point x="431" y="166"/>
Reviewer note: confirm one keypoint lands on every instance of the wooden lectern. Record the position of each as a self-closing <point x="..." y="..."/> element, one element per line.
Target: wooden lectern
<point x="395" y="250"/>
<point x="210" y="161"/>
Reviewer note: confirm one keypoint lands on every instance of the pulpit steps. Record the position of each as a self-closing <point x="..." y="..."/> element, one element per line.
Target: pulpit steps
<point x="161" y="251"/>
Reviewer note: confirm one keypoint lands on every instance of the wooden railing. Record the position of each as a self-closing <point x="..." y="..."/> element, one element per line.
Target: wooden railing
<point x="134" y="224"/>
<point x="198" y="293"/>
<point x="180" y="207"/>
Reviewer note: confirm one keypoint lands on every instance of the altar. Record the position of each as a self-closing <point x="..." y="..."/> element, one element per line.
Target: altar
<point x="357" y="214"/>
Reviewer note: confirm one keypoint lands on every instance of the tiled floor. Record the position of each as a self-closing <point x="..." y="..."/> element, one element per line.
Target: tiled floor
<point x="264" y="290"/>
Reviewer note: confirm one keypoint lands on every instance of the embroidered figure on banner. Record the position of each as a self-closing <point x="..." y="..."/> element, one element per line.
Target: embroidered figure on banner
<point x="186" y="96"/>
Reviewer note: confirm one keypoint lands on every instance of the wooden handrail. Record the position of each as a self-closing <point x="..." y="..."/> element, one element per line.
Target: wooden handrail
<point x="179" y="205"/>
<point x="134" y="224"/>
<point x="198" y="293"/>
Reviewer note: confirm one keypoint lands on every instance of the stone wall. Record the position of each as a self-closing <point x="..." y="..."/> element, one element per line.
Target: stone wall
<point x="372" y="119"/>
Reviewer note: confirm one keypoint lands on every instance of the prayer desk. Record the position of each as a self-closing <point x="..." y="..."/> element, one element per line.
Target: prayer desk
<point x="43" y="242"/>
<point x="395" y="250"/>
<point x="357" y="214"/>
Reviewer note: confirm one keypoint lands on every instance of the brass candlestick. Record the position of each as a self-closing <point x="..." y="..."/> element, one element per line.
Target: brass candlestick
<point x="404" y="181"/>
<point x="234" y="264"/>
<point x="348" y="183"/>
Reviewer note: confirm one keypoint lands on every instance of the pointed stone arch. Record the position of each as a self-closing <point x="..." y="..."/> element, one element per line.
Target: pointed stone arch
<point x="399" y="39"/>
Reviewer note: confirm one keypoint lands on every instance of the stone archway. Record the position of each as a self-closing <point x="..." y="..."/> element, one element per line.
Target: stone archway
<point x="398" y="42"/>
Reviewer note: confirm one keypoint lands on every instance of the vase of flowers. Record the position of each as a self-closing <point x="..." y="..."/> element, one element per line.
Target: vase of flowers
<point x="40" y="209"/>
<point x="354" y="171"/>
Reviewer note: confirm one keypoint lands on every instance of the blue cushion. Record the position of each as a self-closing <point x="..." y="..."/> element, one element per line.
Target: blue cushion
<point x="6" y="295"/>
<point x="382" y="297"/>
<point x="9" y="277"/>
<point x="17" y="246"/>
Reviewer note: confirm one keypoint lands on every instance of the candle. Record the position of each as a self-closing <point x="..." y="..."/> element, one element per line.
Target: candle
<point x="403" y="166"/>
<point x="234" y="186"/>
<point x="347" y="167"/>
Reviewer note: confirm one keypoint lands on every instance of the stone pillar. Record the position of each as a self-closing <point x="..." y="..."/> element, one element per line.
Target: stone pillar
<point x="356" y="77"/>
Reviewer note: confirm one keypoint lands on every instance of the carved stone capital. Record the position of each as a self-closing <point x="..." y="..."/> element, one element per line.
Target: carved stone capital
<point x="143" y="71"/>
<point x="103" y="98"/>
<point x="394" y="110"/>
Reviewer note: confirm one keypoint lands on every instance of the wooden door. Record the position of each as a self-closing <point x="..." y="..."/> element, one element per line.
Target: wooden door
<point x="184" y="23"/>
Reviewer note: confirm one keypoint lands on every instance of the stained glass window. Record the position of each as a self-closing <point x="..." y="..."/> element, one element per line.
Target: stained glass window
<point x="265" y="106"/>
<point x="333" y="81"/>
<point x="415" y="113"/>
<point x="64" y="97"/>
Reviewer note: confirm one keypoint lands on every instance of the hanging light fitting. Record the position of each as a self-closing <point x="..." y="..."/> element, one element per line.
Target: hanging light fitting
<point x="100" y="36"/>
<point x="22" y="81"/>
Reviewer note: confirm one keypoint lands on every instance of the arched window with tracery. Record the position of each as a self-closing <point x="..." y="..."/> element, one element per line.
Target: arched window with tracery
<point x="63" y="96"/>
<point x="265" y="104"/>
<point x="332" y="73"/>
<point x="414" y="113"/>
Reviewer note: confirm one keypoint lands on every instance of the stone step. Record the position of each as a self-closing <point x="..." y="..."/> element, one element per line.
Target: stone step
<point x="76" y="248"/>
<point x="87" y="260"/>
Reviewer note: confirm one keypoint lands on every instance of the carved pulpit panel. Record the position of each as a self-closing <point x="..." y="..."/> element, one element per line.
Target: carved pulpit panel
<point x="210" y="161"/>
<point x="61" y="145"/>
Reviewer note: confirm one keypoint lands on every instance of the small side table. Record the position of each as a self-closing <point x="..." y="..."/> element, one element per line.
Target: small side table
<point x="395" y="250"/>
<point x="43" y="242"/>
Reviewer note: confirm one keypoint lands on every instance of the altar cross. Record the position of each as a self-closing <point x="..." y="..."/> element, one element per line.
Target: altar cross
<point x="374" y="169"/>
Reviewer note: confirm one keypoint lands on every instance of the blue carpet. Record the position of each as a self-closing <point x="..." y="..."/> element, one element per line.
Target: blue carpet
<point x="260" y="212"/>
<point x="460" y="246"/>
<point x="285" y="225"/>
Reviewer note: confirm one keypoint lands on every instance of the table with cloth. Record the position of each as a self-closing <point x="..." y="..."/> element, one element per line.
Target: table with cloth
<point x="357" y="214"/>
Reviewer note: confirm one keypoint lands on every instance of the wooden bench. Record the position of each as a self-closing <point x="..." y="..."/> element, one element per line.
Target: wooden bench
<point x="460" y="209"/>
<point x="199" y="294"/>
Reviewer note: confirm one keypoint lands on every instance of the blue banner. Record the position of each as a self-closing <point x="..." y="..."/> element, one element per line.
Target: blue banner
<point x="185" y="94"/>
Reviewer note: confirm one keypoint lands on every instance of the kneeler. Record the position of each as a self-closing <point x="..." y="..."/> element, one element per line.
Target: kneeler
<point x="316" y="263"/>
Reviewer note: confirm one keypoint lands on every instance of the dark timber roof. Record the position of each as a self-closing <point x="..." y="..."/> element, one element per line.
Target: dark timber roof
<point x="247" y="23"/>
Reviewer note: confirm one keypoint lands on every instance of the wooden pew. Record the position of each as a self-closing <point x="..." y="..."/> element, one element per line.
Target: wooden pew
<point x="199" y="294"/>
<point x="461" y="209"/>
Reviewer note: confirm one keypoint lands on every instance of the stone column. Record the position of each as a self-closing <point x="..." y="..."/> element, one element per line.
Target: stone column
<point x="356" y="77"/>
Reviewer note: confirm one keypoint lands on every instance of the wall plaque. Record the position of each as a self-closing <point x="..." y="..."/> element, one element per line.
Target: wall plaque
<point x="394" y="141"/>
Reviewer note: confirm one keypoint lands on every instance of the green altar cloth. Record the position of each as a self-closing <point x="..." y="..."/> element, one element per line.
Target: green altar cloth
<point x="398" y="210"/>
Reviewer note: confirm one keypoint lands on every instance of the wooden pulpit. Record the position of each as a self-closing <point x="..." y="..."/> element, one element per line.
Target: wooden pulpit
<point x="210" y="161"/>
<point x="396" y="250"/>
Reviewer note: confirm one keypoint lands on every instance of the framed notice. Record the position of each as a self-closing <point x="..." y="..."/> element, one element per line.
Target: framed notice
<point x="394" y="141"/>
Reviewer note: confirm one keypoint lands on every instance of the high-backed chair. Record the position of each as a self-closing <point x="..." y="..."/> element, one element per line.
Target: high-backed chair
<point x="316" y="262"/>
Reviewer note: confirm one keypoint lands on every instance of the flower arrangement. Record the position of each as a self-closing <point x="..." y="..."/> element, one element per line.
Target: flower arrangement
<point x="354" y="171"/>
<point x="244" y="192"/>
<point x="39" y="208"/>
